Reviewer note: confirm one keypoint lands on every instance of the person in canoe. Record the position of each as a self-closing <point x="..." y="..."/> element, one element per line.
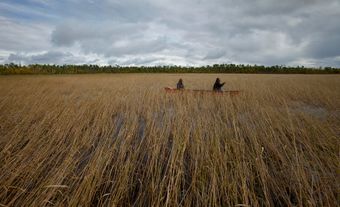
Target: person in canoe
<point x="180" y="84"/>
<point x="218" y="85"/>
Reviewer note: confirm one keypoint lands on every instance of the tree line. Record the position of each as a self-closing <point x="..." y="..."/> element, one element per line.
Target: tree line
<point x="11" y="68"/>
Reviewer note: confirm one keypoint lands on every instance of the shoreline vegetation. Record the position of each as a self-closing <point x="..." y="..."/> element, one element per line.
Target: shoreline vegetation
<point x="13" y="69"/>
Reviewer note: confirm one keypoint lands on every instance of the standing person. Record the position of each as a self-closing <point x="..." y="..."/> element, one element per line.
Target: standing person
<point x="180" y="84"/>
<point x="218" y="85"/>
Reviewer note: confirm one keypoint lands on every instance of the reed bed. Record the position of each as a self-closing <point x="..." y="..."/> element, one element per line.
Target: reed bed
<point x="120" y="140"/>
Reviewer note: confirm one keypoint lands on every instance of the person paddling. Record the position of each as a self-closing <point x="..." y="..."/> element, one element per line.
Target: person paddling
<point x="218" y="85"/>
<point x="180" y="84"/>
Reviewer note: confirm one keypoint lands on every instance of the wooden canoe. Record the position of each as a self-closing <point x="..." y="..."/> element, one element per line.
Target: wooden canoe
<point x="175" y="90"/>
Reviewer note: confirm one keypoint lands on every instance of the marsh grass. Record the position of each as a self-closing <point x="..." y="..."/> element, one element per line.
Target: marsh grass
<point x="119" y="140"/>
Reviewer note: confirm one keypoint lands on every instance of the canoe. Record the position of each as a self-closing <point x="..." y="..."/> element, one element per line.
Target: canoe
<point x="175" y="90"/>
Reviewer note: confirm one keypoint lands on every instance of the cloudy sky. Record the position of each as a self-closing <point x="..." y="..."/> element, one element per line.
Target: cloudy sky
<point x="167" y="32"/>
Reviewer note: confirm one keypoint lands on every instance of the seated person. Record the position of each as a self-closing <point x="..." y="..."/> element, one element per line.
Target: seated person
<point x="180" y="84"/>
<point x="218" y="85"/>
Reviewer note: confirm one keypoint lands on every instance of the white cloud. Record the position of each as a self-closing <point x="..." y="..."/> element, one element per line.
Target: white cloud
<point x="19" y="37"/>
<point x="192" y="32"/>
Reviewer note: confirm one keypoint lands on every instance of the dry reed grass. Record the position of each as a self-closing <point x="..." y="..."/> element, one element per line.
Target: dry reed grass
<point x="119" y="140"/>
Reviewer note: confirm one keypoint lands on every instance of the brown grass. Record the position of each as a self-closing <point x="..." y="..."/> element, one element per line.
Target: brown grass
<point x="120" y="140"/>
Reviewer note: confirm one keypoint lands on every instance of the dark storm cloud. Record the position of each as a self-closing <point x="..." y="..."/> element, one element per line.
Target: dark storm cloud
<point x="273" y="7"/>
<point x="115" y="40"/>
<point x="215" y="54"/>
<point x="325" y="46"/>
<point x="177" y="32"/>
<point x="70" y="32"/>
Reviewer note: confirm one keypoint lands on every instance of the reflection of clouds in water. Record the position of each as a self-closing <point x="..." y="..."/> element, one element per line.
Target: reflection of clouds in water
<point x="311" y="110"/>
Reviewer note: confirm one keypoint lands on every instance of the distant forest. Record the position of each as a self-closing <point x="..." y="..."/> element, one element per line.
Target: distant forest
<point x="9" y="69"/>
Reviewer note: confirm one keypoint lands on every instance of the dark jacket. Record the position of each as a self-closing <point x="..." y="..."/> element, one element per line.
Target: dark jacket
<point x="218" y="85"/>
<point x="180" y="84"/>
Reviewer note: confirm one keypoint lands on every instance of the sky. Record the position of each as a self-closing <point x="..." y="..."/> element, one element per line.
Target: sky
<point x="170" y="32"/>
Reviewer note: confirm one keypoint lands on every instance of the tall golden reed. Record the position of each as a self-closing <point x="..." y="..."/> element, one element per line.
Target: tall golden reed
<point x="120" y="140"/>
